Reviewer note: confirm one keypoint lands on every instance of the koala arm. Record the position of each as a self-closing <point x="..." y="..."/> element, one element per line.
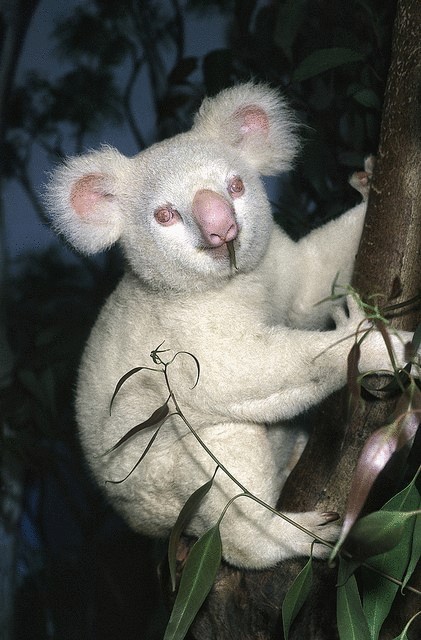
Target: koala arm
<point x="324" y="257"/>
<point x="278" y="372"/>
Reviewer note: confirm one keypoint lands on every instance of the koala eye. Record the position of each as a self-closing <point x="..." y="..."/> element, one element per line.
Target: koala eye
<point x="236" y="187"/>
<point x="167" y="215"/>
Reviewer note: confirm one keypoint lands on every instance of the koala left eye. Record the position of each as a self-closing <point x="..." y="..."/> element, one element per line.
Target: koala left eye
<point x="236" y="187"/>
<point x="166" y="215"/>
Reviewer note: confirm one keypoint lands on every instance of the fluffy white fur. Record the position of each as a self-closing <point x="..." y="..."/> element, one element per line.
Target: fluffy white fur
<point x="263" y="353"/>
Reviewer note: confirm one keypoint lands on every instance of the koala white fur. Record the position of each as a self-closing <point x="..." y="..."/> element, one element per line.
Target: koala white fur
<point x="259" y="338"/>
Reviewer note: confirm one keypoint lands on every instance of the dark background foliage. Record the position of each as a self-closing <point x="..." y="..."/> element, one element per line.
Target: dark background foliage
<point x="80" y="572"/>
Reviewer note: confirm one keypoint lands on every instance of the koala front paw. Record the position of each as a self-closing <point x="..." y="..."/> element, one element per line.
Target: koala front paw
<point x="324" y="525"/>
<point x="361" y="180"/>
<point x="351" y="319"/>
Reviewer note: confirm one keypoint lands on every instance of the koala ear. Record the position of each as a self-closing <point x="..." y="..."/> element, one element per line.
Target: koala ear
<point x="82" y="201"/>
<point x="254" y="119"/>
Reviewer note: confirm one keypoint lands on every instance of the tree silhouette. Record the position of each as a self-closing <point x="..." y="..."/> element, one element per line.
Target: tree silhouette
<point x="14" y="21"/>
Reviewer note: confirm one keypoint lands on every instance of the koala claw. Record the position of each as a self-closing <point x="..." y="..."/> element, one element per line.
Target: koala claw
<point x="328" y="516"/>
<point x="361" y="180"/>
<point x="313" y="521"/>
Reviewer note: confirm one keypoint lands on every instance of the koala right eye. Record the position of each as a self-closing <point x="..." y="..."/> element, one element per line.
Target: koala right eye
<point x="166" y="216"/>
<point x="236" y="187"/>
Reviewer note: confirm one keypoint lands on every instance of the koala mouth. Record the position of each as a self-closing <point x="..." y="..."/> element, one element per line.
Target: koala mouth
<point x="226" y="250"/>
<point x="231" y="253"/>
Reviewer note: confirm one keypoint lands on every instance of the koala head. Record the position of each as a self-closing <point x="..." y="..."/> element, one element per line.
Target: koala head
<point x="174" y="206"/>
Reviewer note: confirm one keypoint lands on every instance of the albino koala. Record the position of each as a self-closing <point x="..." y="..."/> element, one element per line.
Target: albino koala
<point x="254" y="328"/>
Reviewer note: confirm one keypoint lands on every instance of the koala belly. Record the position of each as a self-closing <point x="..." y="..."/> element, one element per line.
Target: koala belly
<point x="151" y="495"/>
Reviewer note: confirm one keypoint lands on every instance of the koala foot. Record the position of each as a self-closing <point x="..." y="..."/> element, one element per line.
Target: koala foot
<point x="361" y="180"/>
<point x="324" y="525"/>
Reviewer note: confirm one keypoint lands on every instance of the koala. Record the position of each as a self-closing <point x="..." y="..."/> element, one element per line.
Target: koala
<point x="210" y="274"/>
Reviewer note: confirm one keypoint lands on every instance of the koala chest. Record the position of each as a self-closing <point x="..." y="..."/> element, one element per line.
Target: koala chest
<point x="209" y="331"/>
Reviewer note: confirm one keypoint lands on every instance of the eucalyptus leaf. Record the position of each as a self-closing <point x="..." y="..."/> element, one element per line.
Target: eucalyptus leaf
<point x="124" y="378"/>
<point x="376" y="453"/>
<point x="325" y="60"/>
<point x="381" y="327"/>
<point x="353" y="385"/>
<point x="403" y="635"/>
<point x="415" y="550"/>
<point x="416" y="338"/>
<point x="378" y="532"/>
<point x="296" y="596"/>
<point x="184" y="517"/>
<point x="399" y="562"/>
<point x="349" y="570"/>
<point x="231" y="253"/>
<point x="196" y="582"/>
<point x="158" y="417"/>
<point x="367" y="97"/>
<point x="148" y="446"/>
<point x="187" y="353"/>
<point x="351" y="620"/>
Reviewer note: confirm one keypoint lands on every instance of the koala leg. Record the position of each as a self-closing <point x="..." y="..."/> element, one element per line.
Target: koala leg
<point x="252" y="535"/>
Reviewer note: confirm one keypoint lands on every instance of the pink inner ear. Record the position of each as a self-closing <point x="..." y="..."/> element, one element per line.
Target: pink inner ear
<point x="87" y="192"/>
<point x="254" y="119"/>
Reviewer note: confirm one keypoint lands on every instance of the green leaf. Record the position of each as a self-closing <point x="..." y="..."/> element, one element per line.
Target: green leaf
<point x="353" y="384"/>
<point x="231" y="253"/>
<point x="184" y="517"/>
<point x="350" y="568"/>
<point x="376" y="453"/>
<point x="416" y="548"/>
<point x="196" y="582"/>
<point x="196" y="361"/>
<point x="416" y="338"/>
<point x="367" y="97"/>
<point x="403" y="635"/>
<point x="296" y="596"/>
<point x="352" y="623"/>
<point x="324" y="60"/>
<point x="378" y="592"/>
<point x="145" y="451"/>
<point x="126" y="376"/>
<point x="378" y="532"/>
<point x="158" y="417"/>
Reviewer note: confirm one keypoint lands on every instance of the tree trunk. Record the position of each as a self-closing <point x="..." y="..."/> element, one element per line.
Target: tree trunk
<point x="246" y="605"/>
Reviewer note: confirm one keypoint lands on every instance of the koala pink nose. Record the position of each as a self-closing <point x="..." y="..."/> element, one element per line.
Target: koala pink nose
<point x="215" y="218"/>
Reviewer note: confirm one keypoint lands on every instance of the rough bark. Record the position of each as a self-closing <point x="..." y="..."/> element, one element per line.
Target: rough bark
<point x="246" y="605"/>
<point x="388" y="263"/>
